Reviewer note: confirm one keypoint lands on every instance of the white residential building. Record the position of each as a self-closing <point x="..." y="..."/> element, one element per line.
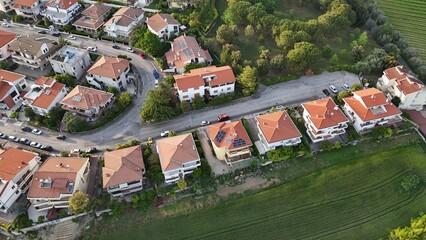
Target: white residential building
<point x="370" y="108"/>
<point x="5" y="39"/>
<point x="61" y="12"/>
<point x="181" y="4"/>
<point x="323" y="119"/>
<point x="70" y="60"/>
<point x="17" y="168"/>
<point x="123" y="171"/>
<point x="44" y="95"/>
<point x="402" y="83"/>
<point x="86" y="101"/>
<point x="178" y="157"/>
<point x="28" y="8"/>
<point x="57" y="180"/>
<point x="6" y="6"/>
<point x="11" y="86"/>
<point x="163" y="25"/>
<point x="276" y="130"/>
<point x="123" y="22"/>
<point x="109" y="72"/>
<point x="32" y="51"/>
<point x="211" y="81"/>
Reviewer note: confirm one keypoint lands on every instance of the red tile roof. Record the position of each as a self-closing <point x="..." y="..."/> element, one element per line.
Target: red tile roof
<point x="4" y="89"/>
<point x="160" y="21"/>
<point x="194" y="79"/>
<point x="46" y="98"/>
<point x="12" y="161"/>
<point x="61" y="4"/>
<point x="225" y="134"/>
<point x="123" y="166"/>
<point x="277" y="126"/>
<point x="185" y="49"/>
<point x="6" y="37"/>
<point x="111" y="67"/>
<point x="405" y="79"/>
<point x="25" y="3"/>
<point x="96" y="11"/>
<point x="176" y="151"/>
<point x="371" y="97"/>
<point x="86" y="98"/>
<point x="44" y="81"/>
<point x="125" y="16"/>
<point x="324" y="113"/>
<point x="10" y="76"/>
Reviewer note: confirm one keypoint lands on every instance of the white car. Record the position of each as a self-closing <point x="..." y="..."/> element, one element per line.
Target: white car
<point x="71" y="37"/>
<point x="165" y="133"/>
<point x="333" y="89"/>
<point x="35" y="144"/>
<point x="204" y="123"/>
<point x="76" y="150"/>
<point x="36" y="132"/>
<point x="131" y="50"/>
<point x="346" y="87"/>
<point x="5" y="24"/>
<point x="92" y="49"/>
<point x="156" y="83"/>
<point x="13" y="138"/>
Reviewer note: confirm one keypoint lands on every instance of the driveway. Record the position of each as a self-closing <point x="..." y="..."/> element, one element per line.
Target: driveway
<point x="218" y="167"/>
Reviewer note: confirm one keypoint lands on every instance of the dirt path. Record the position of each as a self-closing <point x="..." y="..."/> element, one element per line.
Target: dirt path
<point x="251" y="183"/>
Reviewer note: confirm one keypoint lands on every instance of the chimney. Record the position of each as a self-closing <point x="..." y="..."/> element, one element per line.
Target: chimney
<point x="336" y="108"/>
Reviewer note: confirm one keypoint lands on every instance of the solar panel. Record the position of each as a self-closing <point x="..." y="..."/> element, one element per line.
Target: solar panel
<point x="219" y="136"/>
<point x="239" y="142"/>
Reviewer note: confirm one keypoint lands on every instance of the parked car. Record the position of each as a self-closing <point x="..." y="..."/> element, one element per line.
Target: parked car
<point x="115" y="47"/>
<point x="92" y="49"/>
<point x="5" y="24"/>
<point x="13" y="138"/>
<point x="223" y="117"/>
<point x="24" y="141"/>
<point x="204" y="123"/>
<point x="333" y="89"/>
<point x="26" y="129"/>
<point x="36" y="131"/>
<point x="71" y="37"/>
<point x="326" y="92"/>
<point x="35" y="144"/>
<point x="91" y="150"/>
<point x="42" y="32"/>
<point x="56" y="34"/>
<point x="76" y="150"/>
<point x="61" y="137"/>
<point x="165" y="133"/>
<point x="131" y="50"/>
<point x="346" y="87"/>
<point x="46" y="148"/>
<point x="142" y="55"/>
<point x="2" y="135"/>
<point x="155" y="73"/>
<point x="156" y="83"/>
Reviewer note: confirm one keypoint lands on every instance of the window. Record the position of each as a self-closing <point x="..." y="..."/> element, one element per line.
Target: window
<point x="13" y="187"/>
<point x="13" y="94"/>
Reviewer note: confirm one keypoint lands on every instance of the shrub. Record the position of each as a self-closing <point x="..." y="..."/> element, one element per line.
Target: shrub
<point x="326" y="146"/>
<point x="221" y="99"/>
<point x="409" y="183"/>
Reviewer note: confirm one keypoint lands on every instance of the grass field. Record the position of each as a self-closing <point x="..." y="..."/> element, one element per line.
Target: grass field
<point x="356" y="199"/>
<point x="408" y="16"/>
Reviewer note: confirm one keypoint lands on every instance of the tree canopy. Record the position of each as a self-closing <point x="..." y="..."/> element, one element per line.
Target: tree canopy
<point x="148" y="41"/>
<point x="248" y="79"/>
<point x="159" y="104"/>
<point x="78" y="203"/>
<point x="303" y="55"/>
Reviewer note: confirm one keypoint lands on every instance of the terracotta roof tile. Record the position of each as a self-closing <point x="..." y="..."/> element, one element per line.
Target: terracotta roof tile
<point x="4" y="89"/>
<point x="277" y="126"/>
<point x="96" y="11"/>
<point x="324" y="113"/>
<point x="225" y="134"/>
<point x="62" y="171"/>
<point x="123" y="166"/>
<point x="185" y="48"/>
<point x="10" y="76"/>
<point x="86" y="98"/>
<point x="25" y="3"/>
<point x="45" y="100"/>
<point x="44" y="81"/>
<point x="111" y="67"/>
<point x="9" y="101"/>
<point x="369" y="113"/>
<point x="6" y="37"/>
<point x="160" y="21"/>
<point x="406" y="81"/>
<point x="12" y="161"/>
<point x="61" y="4"/>
<point x="125" y="16"/>
<point x="194" y="79"/>
<point x="176" y="151"/>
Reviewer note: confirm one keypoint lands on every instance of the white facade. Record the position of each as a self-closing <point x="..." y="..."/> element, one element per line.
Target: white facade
<point x="6" y="5"/>
<point x="35" y="59"/>
<point x="166" y="32"/>
<point x="70" y="60"/>
<point x="318" y="135"/>
<point x="28" y="11"/>
<point x="122" y="24"/>
<point x="60" y="16"/>
<point x="190" y="94"/>
<point x="11" y="190"/>
<point x="273" y="145"/>
<point x="4" y="53"/>
<point x="101" y="81"/>
<point x="125" y="188"/>
<point x="14" y="91"/>
<point x="175" y="175"/>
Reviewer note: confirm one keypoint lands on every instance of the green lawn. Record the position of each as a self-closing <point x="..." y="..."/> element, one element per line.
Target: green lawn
<point x="356" y="199"/>
<point x="303" y="13"/>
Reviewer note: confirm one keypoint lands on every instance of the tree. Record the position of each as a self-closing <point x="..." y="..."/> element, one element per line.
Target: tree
<point x="248" y="80"/>
<point x="191" y="66"/>
<point x="225" y="34"/>
<point x="334" y="59"/>
<point x="78" y="202"/>
<point x="46" y="21"/>
<point x="185" y="106"/>
<point x="148" y="41"/>
<point x="288" y="38"/>
<point x="29" y="113"/>
<point x="392" y="49"/>
<point x="198" y="103"/>
<point x="255" y="13"/>
<point x="390" y="61"/>
<point x="181" y="184"/>
<point x="112" y="90"/>
<point x="249" y="31"/>
<point x="159" y="104"/>
<point x="124" y="99"/>
<point x="155" y="174"/>
<point x="116" y="207"/>
<point x="363" y="39"/>
<point x="236" y="14"/>
<point x="169" y="80"/>
<point x="171" y="134"/>
<point x="62" y="41"/>
<point x="262" y="66"/>
<point x="327" y="51"/>
<point x="396" y="101"/>
<point x="341" y="95"/>
<point x="54" y="117"/>
<point x="277" y="62"/>
<point x="303" y="54"/>
<point x="66" y="79"/>
<point x="357" y="52"/>
<point x="68" y="28"/>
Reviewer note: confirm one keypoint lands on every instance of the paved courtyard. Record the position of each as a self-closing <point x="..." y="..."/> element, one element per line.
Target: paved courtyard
<point x="218" y="167"/>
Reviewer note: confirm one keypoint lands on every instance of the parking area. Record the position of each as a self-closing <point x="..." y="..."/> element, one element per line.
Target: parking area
<point x="218" y="167"/>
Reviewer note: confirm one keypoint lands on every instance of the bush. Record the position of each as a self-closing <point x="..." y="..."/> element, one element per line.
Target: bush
<point x="409" y="183"/>
<point x="221" y="99"/>
<point x="280" y="79"/>
<point x="326" y="146"/>
<point x="14" y="115"/>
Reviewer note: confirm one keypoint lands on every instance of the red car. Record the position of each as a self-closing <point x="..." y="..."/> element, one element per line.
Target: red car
<point x="223" y="117"/>
<point x="142" y="55"/>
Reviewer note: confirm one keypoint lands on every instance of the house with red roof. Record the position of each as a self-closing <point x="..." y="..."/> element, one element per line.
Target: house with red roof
<point x="92" y="18"/>
<point x="44" y="95"/>
<point x="12" y="85"/>
<point x="370" y="108"/>
<point x="109" y="72"/>
<point x="178" y="157"/>
<point x="323" y="119"/>
<point x="277" y="129"/>
<point x="5" y="39"/>
<point x="123" y="171"/>
<point x="185" y="50"/>
<point x="17" y="168"/>
<point x="402" y="83"/>
<point x="210" y="81"/>
<point x="230" y="141"/>
<point x="163" y="25"/>
<point x="61" y="12"/>
<point x="123" y="22"/>
<point x="28" y="8"/>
